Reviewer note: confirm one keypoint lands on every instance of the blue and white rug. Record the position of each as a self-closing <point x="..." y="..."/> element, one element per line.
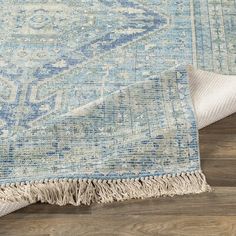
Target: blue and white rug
<point x="94" y="106"/>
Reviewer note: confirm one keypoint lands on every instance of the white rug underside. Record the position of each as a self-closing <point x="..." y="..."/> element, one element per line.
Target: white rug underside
<point x="213" y="95"/>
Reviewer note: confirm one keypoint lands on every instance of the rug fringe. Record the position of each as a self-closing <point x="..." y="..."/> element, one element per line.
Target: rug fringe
<point x="86" y="191"/>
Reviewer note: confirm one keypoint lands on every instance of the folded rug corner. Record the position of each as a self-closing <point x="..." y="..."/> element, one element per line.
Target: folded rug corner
<point x="138" y="142"/>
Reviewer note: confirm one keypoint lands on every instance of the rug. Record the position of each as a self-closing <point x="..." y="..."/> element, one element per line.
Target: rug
<point x="95" y="103"/>
<point x="214" y="44"/>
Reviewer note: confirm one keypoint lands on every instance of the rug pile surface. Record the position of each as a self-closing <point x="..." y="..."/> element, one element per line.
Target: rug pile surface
<point x="94" y="97"/>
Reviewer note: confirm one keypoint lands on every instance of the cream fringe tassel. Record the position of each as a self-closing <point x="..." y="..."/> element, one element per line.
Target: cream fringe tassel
<point x="86" y="191"/>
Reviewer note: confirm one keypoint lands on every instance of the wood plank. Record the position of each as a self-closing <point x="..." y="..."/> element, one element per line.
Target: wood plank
<point x="224" y="126"/>
<point x="218" y="152"/>
<point x="220" y="172"/>
<point x="219" y="140"/>
<point x="127" y="225"/>
<point x="217" y="203"/>
<point x="219" y="146"/>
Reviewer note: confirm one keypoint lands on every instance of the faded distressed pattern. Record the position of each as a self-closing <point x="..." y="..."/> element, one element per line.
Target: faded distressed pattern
<point x="86" y="89"/>
<point x="145" y="129"/>
<point x="56" y="55"/>
<point x="215" y="32"/>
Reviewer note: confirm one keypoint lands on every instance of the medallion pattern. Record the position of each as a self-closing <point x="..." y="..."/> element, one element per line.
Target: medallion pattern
<point x="87" y="90"/>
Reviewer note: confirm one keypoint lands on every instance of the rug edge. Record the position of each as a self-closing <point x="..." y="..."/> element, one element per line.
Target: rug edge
<point x="86" y="191"/>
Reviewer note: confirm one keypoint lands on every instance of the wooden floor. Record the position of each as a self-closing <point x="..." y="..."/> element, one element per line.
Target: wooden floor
<point x="206" y="214"/>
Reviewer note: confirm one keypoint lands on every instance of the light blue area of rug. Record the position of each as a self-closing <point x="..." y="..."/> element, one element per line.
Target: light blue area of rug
<point x="145" y="129"/>
<point x="102" y="58"/>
